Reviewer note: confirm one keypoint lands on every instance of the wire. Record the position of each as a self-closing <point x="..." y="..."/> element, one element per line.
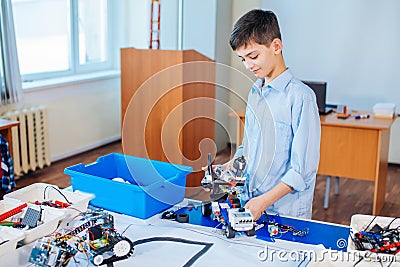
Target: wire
<point x="387" y="227"/>
<point x="365" y="229"/>
<point x="58" y="190"/>
<point x="126" y="229"/>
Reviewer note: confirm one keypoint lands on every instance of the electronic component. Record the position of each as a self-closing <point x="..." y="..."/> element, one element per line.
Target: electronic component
<point x="96" y="238"/>
<point x="275" y="228"/>
<point x="378" y="239"/>
<point x="223" y="183"/>
<point x="240" y="219"/>
<point x="225" y="207"/>
<point x="31" y="217"/>
<point x="239" y="164"/>
<point x="234" y="219"/>
<point x="49" y="251"/>
<point x="54" y="204"/>
<point x="111" y="247"/>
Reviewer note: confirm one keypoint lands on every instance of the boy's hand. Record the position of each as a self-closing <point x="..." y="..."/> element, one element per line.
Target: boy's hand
<point x="257" y="206"/>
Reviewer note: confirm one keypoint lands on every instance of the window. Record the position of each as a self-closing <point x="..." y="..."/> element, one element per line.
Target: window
<point x="61" y="37"/>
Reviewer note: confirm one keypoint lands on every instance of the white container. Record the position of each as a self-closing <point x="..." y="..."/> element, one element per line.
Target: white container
<point x="48" y="192"/>
<point x="359" y="222"/>
<point x="12" y="237"/>
<point x="384" y="110"/>
<point x="6" y="206"/>
<point x="50" y="219"/>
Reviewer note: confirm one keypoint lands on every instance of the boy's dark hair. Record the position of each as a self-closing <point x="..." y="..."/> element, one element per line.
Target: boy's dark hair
<point x="260" y="26"/>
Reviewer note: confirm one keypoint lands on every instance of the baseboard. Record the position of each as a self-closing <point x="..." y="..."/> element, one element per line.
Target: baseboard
<point x="394" y="164"/>
<point x="231" y="145"/>
<point x="86" y="148"/>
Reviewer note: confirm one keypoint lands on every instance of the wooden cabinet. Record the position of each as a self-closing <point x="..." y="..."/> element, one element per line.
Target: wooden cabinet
<point x="168" y="107"/>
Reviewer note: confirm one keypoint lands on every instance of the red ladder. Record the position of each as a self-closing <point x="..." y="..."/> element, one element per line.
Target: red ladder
<point x="155" y="24"/>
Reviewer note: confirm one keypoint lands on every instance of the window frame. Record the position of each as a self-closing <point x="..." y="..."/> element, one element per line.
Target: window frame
<point x="74" y="66"/>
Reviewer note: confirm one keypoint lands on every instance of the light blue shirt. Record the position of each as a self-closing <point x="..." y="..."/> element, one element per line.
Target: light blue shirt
<point x="281" y="143"/>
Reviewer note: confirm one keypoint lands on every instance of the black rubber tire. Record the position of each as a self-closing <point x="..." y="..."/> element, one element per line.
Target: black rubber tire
<point x="251" y="232"/>
<point x="183" y="218"/>
<point x="206" y="208"/>
<point x="230" y="233"/>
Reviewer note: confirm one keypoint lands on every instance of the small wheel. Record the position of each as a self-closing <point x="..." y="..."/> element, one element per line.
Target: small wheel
<point x="122" y="248"/>
<point x="98" y="260"/>
<point x="183" y="218"/>
<point x="206" y="208"/>
<point x="251" y="232"/>
<point x="230" y="233"/>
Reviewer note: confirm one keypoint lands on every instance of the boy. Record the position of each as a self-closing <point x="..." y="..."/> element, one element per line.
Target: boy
<point x="282" y="127"/>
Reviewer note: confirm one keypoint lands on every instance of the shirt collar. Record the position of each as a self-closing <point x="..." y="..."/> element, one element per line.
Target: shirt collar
<point x="279" y="83"/>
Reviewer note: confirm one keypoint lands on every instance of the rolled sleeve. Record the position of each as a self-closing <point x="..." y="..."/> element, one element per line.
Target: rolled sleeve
<point x="294" y="180"/>
<point x="305" y="147"/>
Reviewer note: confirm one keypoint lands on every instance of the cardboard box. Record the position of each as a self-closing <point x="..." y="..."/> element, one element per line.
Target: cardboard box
<point x="131" y="185"/>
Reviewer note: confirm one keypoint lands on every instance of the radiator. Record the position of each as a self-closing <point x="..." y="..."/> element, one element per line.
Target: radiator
<point x="30" y="140"/>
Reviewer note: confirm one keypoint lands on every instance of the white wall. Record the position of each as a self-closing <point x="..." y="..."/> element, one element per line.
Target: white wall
<point x="136" y="23"/>
<point x="80" y="116"/>
<point x="222" y="58"/>
<point x="241" y="79"/>
<point x="353" y="45"/>
<point x="169" y="25"/>
<point x="206" y="27"/>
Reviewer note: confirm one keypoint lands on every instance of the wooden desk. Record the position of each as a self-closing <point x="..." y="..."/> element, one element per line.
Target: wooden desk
<point x="5" y="131"/>
<point x="353" y="149"/>
<point x="356" y="149"/>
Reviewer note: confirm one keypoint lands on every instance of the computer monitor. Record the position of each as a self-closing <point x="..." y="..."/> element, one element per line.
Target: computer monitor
<point x="319" y="89"/>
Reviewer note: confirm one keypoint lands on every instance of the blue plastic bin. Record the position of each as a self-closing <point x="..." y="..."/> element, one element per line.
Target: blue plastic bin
<point x="152" y="187"/>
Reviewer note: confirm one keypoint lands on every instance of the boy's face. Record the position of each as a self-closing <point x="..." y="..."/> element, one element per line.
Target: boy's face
<point x="260" y="59"/>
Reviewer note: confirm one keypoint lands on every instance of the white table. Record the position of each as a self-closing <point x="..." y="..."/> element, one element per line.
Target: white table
<point x="239" y="251"/>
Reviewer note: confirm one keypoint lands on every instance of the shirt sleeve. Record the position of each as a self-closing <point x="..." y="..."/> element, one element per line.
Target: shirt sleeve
<point x="305" y="147"/>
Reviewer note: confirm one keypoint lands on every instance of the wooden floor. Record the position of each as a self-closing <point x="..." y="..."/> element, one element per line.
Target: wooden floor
<point x="355" y="196"/>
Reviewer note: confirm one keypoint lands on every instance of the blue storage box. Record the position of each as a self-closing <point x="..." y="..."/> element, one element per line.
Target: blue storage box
<point x="149" y="186"/>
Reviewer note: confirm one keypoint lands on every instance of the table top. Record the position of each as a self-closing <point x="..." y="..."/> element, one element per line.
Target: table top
<point x="5" y="124"/>
<point x="160" y="242"/>
<point x="170" y="243"/>
<point x="331" y="120"/>
<point x="369" y="123"/>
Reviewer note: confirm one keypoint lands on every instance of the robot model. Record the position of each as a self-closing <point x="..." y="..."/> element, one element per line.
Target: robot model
<point x="224" y="182"/>
<point x="96" y="238"/>
<point x="224" y="206"/>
